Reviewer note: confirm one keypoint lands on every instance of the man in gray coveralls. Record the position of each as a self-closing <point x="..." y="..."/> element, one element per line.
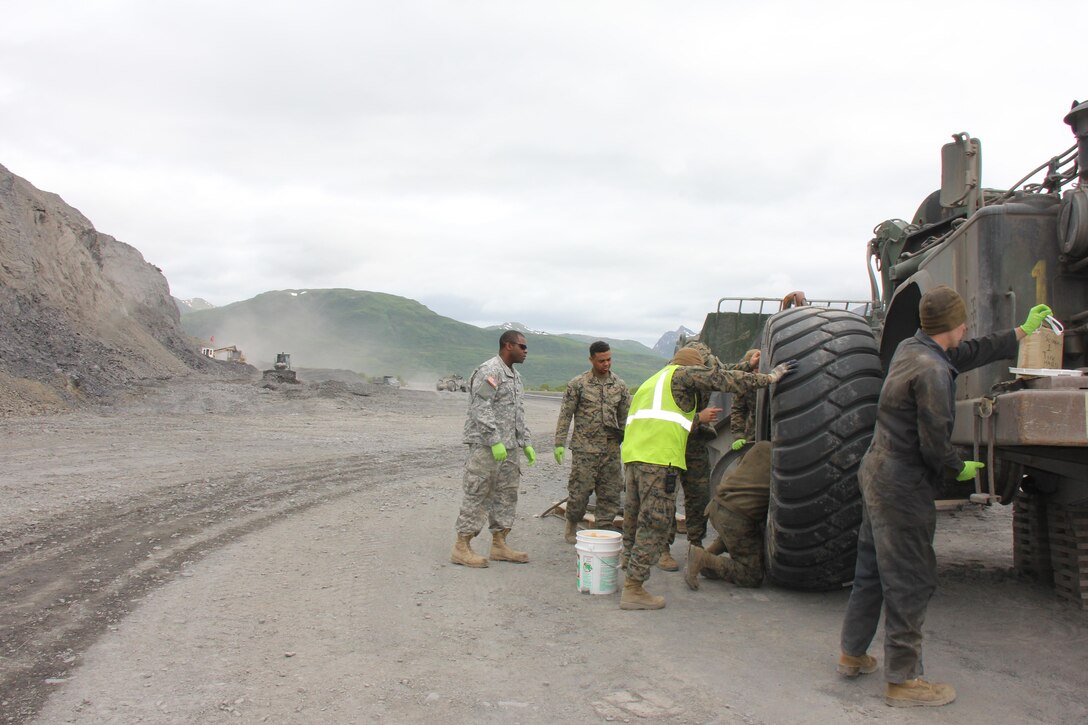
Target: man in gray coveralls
<point x="911" y="453"/>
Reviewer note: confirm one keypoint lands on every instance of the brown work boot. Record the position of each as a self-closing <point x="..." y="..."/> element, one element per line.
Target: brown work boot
<point x="694" y="564"/>
<point x="918" y="693"/>
<point x="501" y="552"/>
<point x="852" y="666"/>
<point x="463" y="554"/>
<point x="716" y="549"/>
<point x="570" y="534"/>
<point x="635" y="597"/>
<point x="668" y="563"/>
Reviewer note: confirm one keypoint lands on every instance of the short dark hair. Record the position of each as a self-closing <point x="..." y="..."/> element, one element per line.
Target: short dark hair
<point x="510" y="336"/>
<point x="599" y="346"/>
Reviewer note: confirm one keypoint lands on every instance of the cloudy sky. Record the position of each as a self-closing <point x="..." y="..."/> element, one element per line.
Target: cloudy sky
<point x="609" y="168"/>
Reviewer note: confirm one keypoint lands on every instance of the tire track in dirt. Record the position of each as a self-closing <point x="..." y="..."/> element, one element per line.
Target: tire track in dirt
<point x="66" y="580"/>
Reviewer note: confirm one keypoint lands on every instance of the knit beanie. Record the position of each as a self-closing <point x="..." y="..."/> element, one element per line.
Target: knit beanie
<point x="687" y="356"/>
<point x="941" y="310"/>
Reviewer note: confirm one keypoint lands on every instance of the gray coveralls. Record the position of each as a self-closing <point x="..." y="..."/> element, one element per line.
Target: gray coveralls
<point x="909" y="456"/>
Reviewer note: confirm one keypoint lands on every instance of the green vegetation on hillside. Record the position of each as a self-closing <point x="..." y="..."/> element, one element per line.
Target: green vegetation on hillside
<point x="385" y="334"/>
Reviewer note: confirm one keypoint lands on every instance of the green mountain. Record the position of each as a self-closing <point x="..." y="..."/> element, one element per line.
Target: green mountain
<point x="617" y="345"/>
<point x="380" y="334"/>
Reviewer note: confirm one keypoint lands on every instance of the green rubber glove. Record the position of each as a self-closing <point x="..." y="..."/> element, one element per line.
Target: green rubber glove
<point x="969" y="470"/>
<point x="499" y="452"/>
<point x="530" y="453"/>
<point x="1036" y="316"/>
<point x="558" y="452"/>
<point x="739" y="443"/>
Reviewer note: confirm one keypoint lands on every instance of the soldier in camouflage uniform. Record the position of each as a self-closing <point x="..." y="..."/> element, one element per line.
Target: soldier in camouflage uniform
<point x="495" y="426"/>
<point x="737" y="511"/>
<point x="655" y="440"/>
<point x="742" y="424"/>
<point x="597" y="401"/>
<point x="742" y="416"/>
<point x="696" y="479"/>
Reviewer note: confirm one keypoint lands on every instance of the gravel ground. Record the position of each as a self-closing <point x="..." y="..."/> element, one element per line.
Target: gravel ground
<point x="220" y="552"/>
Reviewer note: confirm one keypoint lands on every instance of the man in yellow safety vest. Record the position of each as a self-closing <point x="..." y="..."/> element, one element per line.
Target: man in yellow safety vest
<point x="655" y="440"/>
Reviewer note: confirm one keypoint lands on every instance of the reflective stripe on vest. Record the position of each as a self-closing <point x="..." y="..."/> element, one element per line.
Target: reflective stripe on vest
<point x="657" y="429"/>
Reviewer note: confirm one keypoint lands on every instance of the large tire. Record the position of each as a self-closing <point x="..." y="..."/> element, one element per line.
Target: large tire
<point x="724" y="466"/>
<point x="821" y="420"/>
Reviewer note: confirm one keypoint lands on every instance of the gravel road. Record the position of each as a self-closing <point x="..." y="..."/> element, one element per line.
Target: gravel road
<point x="219" y="552"/>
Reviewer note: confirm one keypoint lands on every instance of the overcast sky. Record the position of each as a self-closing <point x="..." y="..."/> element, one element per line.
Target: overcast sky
<point x="609" y="168"/>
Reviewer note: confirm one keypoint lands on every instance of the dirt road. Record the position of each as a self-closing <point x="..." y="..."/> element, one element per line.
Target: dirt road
<point x="222" y="553"/>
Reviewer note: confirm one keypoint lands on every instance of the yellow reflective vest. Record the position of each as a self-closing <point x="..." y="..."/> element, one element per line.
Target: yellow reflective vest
<point x="657" y="429"/>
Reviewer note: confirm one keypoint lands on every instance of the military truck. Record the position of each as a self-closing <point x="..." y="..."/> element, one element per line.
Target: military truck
<point x="452" y="383"/>
<point x="1003" y="251"/>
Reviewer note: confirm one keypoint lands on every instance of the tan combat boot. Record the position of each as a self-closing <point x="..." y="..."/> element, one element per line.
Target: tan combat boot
<point x="570" y="534"/>
<point x="700" y="561"/>
<point x="635" y="597"/>
<point x="501" y="552"/>
<point x="463" y="554"/>
<point x="694" y="564"/>
<point x="852" y="666"/>
<point x="667" y="563"/>
<point x="918" y="693"/>
<point x="716" y="547"/>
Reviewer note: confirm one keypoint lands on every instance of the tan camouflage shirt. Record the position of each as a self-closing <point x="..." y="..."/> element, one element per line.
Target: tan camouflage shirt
<point x="598" y="407"/>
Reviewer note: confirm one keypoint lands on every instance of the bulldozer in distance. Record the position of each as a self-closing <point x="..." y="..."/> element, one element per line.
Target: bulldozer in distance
<point x="1003" y="251"/>
<point x="281" y="370"/>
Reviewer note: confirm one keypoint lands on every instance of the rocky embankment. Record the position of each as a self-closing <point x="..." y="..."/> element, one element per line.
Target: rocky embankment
<point x="81" y="314"/>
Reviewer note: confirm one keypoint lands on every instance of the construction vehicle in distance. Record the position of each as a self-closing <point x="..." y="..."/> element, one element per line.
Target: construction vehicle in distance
<point x="452" y="383"/>
<point x="1003" y="251"/>
<point x="281" y="370"/>
<point x="229" y="354"/>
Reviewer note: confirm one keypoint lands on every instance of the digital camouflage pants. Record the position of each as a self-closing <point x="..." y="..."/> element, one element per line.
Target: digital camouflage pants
<point x="743" y="539"/>
<point x="490" y="491"/>
<point x="696" y="485"/>
<point x="647" y="511"/>
<point x="599" y="473"/>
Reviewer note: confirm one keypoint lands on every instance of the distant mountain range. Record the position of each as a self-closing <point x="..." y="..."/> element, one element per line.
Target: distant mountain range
<point x="380" y="334"/>
<point x="667" y="344"/>
<point x="614" y="343"/>
<point x="192" y="305"/>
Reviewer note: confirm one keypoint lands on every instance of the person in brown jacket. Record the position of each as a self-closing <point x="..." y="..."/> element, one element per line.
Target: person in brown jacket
<point x="738" y="512"/>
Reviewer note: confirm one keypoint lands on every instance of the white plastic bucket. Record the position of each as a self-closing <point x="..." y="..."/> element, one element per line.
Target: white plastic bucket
<point x="598" y="560"/>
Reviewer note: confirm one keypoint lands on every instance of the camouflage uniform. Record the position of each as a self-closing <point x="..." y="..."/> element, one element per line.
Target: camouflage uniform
<point x="738" y="511"/>
<point x="742" y="416"/>
<point x="696" y="480"/>
<point x="496" y="414"/>
<point x="598" y="406"/>
<point x="646" y="532"/>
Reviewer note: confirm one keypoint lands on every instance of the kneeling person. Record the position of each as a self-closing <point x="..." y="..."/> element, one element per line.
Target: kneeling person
<point x="738" y="512"/>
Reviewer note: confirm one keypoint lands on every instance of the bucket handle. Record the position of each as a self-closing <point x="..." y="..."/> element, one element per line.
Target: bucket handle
<point x="604" y="562"/>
